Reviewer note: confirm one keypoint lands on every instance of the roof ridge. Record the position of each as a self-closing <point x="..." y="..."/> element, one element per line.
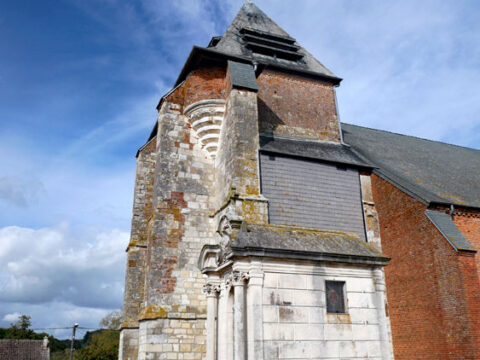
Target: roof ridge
<point x="412" y="136"/>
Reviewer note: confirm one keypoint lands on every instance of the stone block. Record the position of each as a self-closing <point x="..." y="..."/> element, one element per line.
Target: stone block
<point x="346" y="349"/>
<point x="276" y="331"/>
<point x="293" y="314"/>
<point x="315" y="282"/>
<point x="374" y="349"/>
<point x="277" y="297"/>
<point x="270" y="313"/>
<point x="360" y="285"/>
<point x="361" y="300"/>
<point x="338" y="332"/>
<point x="270" y="280"/>
<point x="308" y="298"/>
<point x="309" y="332"/>
<point x="363" y="315"/>
<point x="365" y="332"/>
<point x="292" y="281"/>
<point x="316" y="315"/>
<point x="361" y="349"/>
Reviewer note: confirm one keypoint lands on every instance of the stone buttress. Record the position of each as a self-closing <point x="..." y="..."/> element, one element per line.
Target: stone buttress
<point x="136" y="251"/>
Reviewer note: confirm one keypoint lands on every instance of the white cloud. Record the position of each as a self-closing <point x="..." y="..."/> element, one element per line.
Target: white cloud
<point x="11" y="317"/>
<point x="54" y="264"/>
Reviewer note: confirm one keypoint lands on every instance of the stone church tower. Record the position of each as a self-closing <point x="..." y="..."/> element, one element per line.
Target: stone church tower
<point x="254" y="233"/>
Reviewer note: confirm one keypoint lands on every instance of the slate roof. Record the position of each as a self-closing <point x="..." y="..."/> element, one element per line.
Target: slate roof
<point x="250" y="16"/>
<point x="313" y="150"/>
<point x="242" y="76"/>
<point x="303" y="243"/>
<point x="443" y="222"/>
<point x="23" y="350"/>
<point x="431" y="171"/>
<point x="232" y="46"/>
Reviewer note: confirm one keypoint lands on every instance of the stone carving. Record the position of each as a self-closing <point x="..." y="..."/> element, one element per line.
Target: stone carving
<point x="228" y="223"/>
<point x="239" y="278"/>
<point x="209" y="258"/>
<point x="206" y="117"/>
<point x="211" y="289"/>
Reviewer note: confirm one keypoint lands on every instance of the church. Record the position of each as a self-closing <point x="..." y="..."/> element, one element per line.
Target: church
<point x="264" y="228"/>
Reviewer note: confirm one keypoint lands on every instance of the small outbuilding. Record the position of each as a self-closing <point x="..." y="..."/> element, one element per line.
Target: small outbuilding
<point x="13" y="349"/>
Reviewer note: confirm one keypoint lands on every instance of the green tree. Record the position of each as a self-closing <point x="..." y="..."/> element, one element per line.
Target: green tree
<point x="101" y="345"/>
<point x="21" y="329"/>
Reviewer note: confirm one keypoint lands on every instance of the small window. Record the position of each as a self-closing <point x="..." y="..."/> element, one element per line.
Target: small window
<point x="335" y="291"/>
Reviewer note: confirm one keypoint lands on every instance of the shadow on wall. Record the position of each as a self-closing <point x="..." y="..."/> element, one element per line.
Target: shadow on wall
<point x="268" y="121"/>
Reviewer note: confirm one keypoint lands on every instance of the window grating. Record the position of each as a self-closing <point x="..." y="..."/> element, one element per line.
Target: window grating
<point x="270" y="44"/>
<point x="335" y="292"/>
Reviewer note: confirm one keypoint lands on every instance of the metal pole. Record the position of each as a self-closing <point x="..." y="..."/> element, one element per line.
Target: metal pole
<point x="73" y="340"/>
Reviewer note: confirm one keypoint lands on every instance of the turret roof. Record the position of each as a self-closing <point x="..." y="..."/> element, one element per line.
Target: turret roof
<point x="252" y="25"/>
<point x="253" y="37"/>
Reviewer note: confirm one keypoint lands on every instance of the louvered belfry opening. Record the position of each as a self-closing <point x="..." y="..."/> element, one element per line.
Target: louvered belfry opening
<point x="277" y="46"/>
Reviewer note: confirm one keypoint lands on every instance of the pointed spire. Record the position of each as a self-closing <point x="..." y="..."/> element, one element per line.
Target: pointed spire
<point x="251" y="18"/>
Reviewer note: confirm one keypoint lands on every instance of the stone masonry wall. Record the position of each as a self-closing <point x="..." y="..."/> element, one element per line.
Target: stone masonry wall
<point x="135" y="270"/>
<point x="237" y="159"/>
<point x="178" y="229"/>
<point x="143" y="194"/>
<point x="128" y="345"/>
<point x="431" y="289"/>
<point x="296" y="323"/>
<point x="183" y="180"/>
<point x="369" y="211"/>
<point x="291" y="105"/>
<point x="173" y="339"/>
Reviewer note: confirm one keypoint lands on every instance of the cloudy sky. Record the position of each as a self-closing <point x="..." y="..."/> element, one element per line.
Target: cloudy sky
<point x="79" y="82"/>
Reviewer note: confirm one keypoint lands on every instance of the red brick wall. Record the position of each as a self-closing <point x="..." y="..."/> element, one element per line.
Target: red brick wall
<point x="432" y="290"/>
<point x="295" y="106"/>
<point x="468" y="221"/>
<point x="201" y="84"/>
<point x="206" y="83"/>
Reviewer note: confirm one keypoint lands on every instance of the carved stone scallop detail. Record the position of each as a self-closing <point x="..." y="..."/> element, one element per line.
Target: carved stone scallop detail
<point x="206" y="118"/>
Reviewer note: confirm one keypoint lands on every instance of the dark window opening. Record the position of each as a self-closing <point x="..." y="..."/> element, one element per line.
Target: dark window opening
<point x="335" y="291"/>
<point x="272" y="45"/>
<point x="214" y="41"/>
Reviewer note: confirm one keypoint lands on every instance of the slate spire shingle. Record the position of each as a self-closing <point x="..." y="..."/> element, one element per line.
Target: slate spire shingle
<point x="263" y="29"/>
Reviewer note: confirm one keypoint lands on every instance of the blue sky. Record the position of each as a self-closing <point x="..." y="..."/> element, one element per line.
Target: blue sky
<point x="79" y="82"/>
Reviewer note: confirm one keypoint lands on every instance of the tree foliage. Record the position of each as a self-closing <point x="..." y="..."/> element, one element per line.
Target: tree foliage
<point x="96" y="345"/>
<point x="101" y="345"/>
<point x="21" y="328"/>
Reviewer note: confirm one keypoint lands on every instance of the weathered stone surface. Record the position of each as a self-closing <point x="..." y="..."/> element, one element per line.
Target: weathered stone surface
<point x="295" y="321"/>
<point x="136" y="251"/>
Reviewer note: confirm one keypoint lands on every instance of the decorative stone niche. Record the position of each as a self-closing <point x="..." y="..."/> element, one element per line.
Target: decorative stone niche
<point x="206" y="117"/>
